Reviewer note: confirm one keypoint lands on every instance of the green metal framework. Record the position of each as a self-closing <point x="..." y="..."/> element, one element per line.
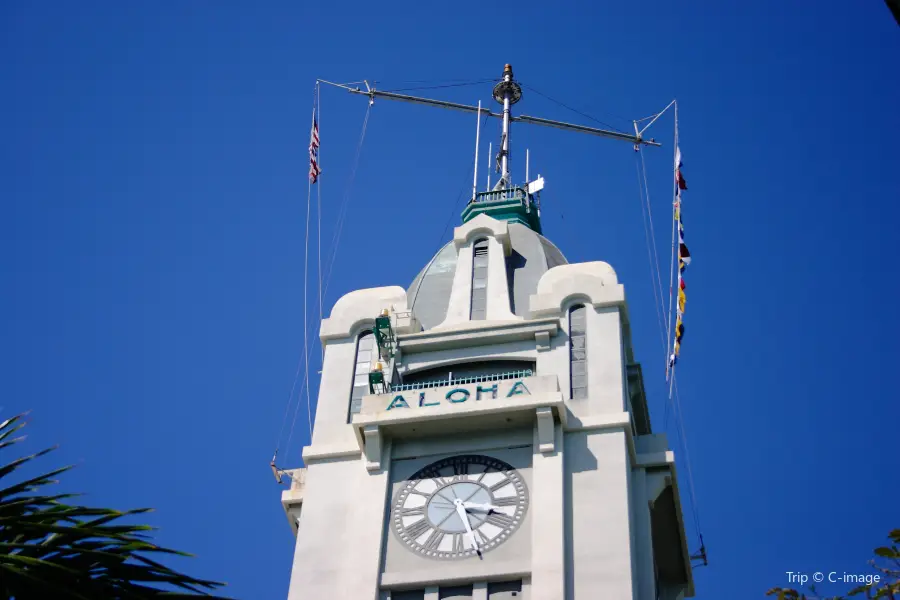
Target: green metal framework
<point x="384" y="337"/>
<point x="515" y="205"/>
<point x="376" y="382"/>
<point x="424" y="385"/>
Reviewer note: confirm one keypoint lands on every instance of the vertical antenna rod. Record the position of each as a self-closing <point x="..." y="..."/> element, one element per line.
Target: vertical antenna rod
<point x="490" y="149"/>
<point x="477" y="136"/>
<point x="507" y="92"/>
<point x="526" y="165"/>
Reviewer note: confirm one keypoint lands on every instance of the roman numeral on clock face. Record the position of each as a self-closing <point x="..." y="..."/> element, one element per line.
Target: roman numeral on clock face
<point x="508" y="501"/>
<point x="460" y="470"/>
<point x="500" y="484"/>
<point x="415" y="530"/>
<point x="435" y="476"/>
<point x="434" y="540"/>
<point x="501" y="520"/>
<point x="482" y="539"/>
<point x="492" y="488"/>
<point x="412" y="512"/>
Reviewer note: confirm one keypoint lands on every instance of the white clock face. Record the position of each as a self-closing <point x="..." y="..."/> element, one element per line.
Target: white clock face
<point x="459" y="507"/>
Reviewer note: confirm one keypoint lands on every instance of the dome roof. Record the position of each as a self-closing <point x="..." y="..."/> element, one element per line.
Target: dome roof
<point x="532" y="255"/>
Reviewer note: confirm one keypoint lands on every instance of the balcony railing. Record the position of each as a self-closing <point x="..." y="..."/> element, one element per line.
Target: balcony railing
<point x="424" y="385"/>
<point x="504" y="195"/>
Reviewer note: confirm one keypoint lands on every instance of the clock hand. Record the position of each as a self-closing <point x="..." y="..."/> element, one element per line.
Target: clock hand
<point x="479" y="506"/>
<point x="465" y="519"/>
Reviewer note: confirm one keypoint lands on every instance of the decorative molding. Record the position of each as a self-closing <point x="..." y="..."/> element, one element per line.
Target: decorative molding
<point x="594" y="283"/>
<point x="546" y="430"/>
<point x="483" y="225"/>
<point x="453" y="413"/>
<point x="358" y="309"/>
<point x="314" y="454"/>
<point x="374" y="430"/>
<point x="292" y="499"/>
<point x="553" y="303"/>
<point x="542" y="341"/>
<point x="656" y="459"/>
<point x="372" y="435"/>
<point x="614" y="421"/>
<point x="481" y="333"/>
<point x="457" y="574"/>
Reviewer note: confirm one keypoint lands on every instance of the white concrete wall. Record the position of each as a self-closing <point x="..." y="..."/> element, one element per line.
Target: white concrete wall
<point x="599" y="561"/>
<point x="338" y="550"/>
<point x="635" y="585"/>
<point x="331" y="431"/>
<point x="498" y="308"/>
<point x="461" y="295"/>
<point x="498" y="286"/>
<point x="556" y="359"/>
<point x="606" y="387"/>
<point x="548" y="568"/>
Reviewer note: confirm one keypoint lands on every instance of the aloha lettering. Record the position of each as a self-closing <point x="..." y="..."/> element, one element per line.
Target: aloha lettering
<point x="459" y="395"/>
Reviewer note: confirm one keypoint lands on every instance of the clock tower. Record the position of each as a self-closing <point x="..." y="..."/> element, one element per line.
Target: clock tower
<point x="483" y="434"/>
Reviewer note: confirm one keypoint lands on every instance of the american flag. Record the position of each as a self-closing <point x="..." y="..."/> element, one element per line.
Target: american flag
<point x="314" y="170"/>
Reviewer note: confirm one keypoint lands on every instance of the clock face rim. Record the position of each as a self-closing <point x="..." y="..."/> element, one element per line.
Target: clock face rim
<point x="512" y="476"/>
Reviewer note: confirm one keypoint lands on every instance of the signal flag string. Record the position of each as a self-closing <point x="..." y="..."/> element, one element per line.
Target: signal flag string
<point x="683" y="260"/>
<point x="683" y="255"/>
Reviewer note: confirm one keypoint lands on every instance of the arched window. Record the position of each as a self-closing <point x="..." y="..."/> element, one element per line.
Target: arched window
<point x="578" y="351"/>
<point x="479" y="280"/>
<point x="365" y="347"/>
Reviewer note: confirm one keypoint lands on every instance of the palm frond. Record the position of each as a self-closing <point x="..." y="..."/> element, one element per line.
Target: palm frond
<point x="52" y="549"/>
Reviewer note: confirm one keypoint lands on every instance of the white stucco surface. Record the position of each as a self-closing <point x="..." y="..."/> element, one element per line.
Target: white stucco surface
<point x="460" y="295"/>
<point x="600" y="559"/>
<point x="338" y="549"/>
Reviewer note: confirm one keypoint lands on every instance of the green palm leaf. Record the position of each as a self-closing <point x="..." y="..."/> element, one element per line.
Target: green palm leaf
<point x="51" y="549"/>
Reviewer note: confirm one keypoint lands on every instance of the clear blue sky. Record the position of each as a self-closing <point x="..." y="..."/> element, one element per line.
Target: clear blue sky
<point x="153" y="184"/>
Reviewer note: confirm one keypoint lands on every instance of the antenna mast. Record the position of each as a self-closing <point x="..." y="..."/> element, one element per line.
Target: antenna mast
<point x="516" y="95"/>
<point x="490" y="149"/>
<point x="507" y="92"/>
<point x="477" y="136"/>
